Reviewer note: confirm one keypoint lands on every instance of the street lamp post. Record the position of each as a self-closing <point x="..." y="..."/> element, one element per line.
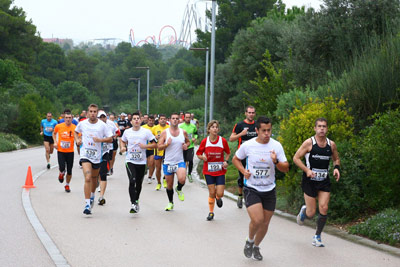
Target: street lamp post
<point x="212" y="71"/>
<point x="205" y="89"/>
<point x="148" y="84"/>
<point x="137" y="79"/>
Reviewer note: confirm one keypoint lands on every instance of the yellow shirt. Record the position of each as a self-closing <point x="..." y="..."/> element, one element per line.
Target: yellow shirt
<point x="150" y="128"/>
<point x="157" y="130"/>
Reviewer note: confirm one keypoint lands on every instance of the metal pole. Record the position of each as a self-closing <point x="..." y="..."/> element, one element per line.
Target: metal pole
<point x="138" y="93"/>
<point x="206" y="96"/>
<point x="148" y="84"/>
<point x="214" y="6"/>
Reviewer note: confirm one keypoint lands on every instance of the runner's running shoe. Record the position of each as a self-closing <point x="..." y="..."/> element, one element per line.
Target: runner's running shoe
<point x="48" y="165"/>
<point x="149" y="180"/>
<point x="111" y="171"/>
<point x="181" y="196"/>
<point x="302" y="215"/>
<point x="248" y="249"/>
<point x="219" y="203"/>
<point x="158" y="187"/>
<point x="240" y="202"/>
<point x="134" y="208"/>
<point x="256" y="254"/>
<point x="61" y="177"/>
<point x="87" y="210"/>
<point x="67" y="189"/>
<point x="190" y="178"/>
<point x="102" y="201"/>
<point x="170" y="206"/>
<point x="317" y="241"/>
<point x="210" y="216"/>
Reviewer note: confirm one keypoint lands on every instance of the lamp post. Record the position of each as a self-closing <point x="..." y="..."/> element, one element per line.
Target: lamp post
<point x="138" y="91"/>
<point x="212" y="71"/>
<point x="206" y="87"/>
<point x="148" y="84"/>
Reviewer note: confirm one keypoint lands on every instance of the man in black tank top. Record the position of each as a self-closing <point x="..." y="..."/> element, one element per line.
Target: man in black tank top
<point x="317" y="150"/>
<point x="244" y="131"/>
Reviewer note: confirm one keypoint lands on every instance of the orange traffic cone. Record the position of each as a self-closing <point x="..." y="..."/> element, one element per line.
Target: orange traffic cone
<point x="29" y="181"/>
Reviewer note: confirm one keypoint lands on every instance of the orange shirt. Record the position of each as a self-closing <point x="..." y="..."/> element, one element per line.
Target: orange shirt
<point x="65" y="137"/>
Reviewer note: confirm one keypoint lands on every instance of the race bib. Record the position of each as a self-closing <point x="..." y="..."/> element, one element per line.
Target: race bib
<point x="172" y="168"/>
<point x="105" y="146"/>
<point x="190" y="136"/>
<point x="65" y="144"/>
<point x="320" y="174"/>
<point x="214" y="166"/>
<point x="135" y="155"/>
<point x="91" y="153"/>
<point x="261" y="172"/>
<point x="48" y="129"/>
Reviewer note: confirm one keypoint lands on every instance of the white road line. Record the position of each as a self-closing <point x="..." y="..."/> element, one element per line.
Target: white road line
<point x="46" y="240"/>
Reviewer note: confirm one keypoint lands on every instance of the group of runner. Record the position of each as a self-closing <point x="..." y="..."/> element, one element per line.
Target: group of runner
<point x="170" y="146"/>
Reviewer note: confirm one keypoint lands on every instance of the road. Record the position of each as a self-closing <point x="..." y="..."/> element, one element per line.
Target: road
<point x="153" y="237"/>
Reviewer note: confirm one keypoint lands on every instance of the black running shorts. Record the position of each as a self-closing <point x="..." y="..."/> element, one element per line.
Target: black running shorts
<point x="94" y="165"/>
<point x="267" y="199"/>
<point x="311" y="188"/>
<point x="48" y="139"/>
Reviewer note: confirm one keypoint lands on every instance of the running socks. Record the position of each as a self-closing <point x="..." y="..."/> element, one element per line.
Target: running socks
<point x="321" y="223"/>
<point x="179" y="187"/>
<point x="170" y="193"/>
<point x="211" y="203"/>
<point x="190" y="167"/>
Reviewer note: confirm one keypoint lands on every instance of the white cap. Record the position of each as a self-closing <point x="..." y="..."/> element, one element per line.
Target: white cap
<point x="101" y="113"/>
<point x="123" y="114"/>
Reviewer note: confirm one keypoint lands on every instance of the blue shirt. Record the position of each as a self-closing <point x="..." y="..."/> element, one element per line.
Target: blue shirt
<point x="48" y="126"/>
<point x="74" y="121"/>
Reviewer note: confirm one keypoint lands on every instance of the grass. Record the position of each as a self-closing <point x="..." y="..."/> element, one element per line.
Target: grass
<point x="9" y="142"/>
<point x="383" y="227"/>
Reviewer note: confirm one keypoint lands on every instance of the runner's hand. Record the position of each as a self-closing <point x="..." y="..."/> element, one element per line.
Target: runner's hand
<point x="123" y="149"/>
<point x="79" y="142"/>
<point x="142" y="146"/>
<point x="246" y="174"/>
<point x="273" y="155"/>
<point x="310" y="173"/>
<point x="336" y="173"/>
<point x="96" y="139"/>
<point x="244" y="132"/>
<point x="185" y="146"/>
<point x="55" y="146"/>
<point x="41" y="133"/>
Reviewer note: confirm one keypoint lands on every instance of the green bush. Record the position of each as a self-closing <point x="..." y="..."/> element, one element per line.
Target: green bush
<point x="380" y="154"/>
<point x="28" y="121"/>
<point x="10" y="142"/>
<point x="384" y="227"/>
<point x="347" y="196"/>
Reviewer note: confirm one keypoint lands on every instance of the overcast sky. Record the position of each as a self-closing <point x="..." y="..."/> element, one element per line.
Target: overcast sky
<point x="83" y="20"/>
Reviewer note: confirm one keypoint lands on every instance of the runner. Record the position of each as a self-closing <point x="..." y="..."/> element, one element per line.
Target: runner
<point x="115" y="144"/>
<point x="74" y="121"/>
<point x="243" y="131"/>
<point x="174" y="141"/>
<point x="106" y="155"/>
<point x="262" y="155"/>
<point x="317" y="150"/>
<point x="46" y="129"/>
<point x="134" y="142"/>
<point x="145" y="119"/>
<point x="94" y="133"/>
<point x="188" y="154"/>
<point x="192" y="119"/>
<point x="63" y="135"/>
<point x="159" y="156"/>
<point x="123" y="124"/>
<point x="150" y="151"/>
<point x="215" y="164"/>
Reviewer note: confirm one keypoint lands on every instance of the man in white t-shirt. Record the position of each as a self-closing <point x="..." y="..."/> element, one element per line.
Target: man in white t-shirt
<point x="262" y="155"/>
<point x="94" y="133"/>
<point x="134" y="142"/>
<point x="174" y="141"/>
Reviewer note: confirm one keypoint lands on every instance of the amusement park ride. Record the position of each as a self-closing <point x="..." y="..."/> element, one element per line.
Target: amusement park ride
<point x="191" y="21"/>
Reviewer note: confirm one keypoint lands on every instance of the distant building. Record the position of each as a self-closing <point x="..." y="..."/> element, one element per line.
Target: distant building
<point x="64" y="43"/>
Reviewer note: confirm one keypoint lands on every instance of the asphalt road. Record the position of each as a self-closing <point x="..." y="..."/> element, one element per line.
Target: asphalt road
<point x="112" y="236"/>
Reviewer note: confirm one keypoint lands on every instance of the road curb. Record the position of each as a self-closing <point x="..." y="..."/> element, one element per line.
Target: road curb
<point x="43" y="236"/>
<point x="328" y="229"/>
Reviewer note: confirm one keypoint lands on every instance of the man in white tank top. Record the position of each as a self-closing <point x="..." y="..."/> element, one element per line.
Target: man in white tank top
<point x="174" y="141"/>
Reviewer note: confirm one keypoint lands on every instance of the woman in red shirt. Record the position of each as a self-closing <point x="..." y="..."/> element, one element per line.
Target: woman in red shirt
<point x="211" y="151"/>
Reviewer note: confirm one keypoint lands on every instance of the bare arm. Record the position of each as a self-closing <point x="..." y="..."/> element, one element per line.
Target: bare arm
<point x="161" y="142"/>
<point x="301" y="152"/>
<point x="336" y="160"/>
<point x="187" y="141"/>
<point x="78" y="139"/>
<point x="122" y="145"/>
<point x="239" y="166"/>
<point x="235" y="136"/>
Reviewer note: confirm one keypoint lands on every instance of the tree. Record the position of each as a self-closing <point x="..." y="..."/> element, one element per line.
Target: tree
<point x="17" y="35"/>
